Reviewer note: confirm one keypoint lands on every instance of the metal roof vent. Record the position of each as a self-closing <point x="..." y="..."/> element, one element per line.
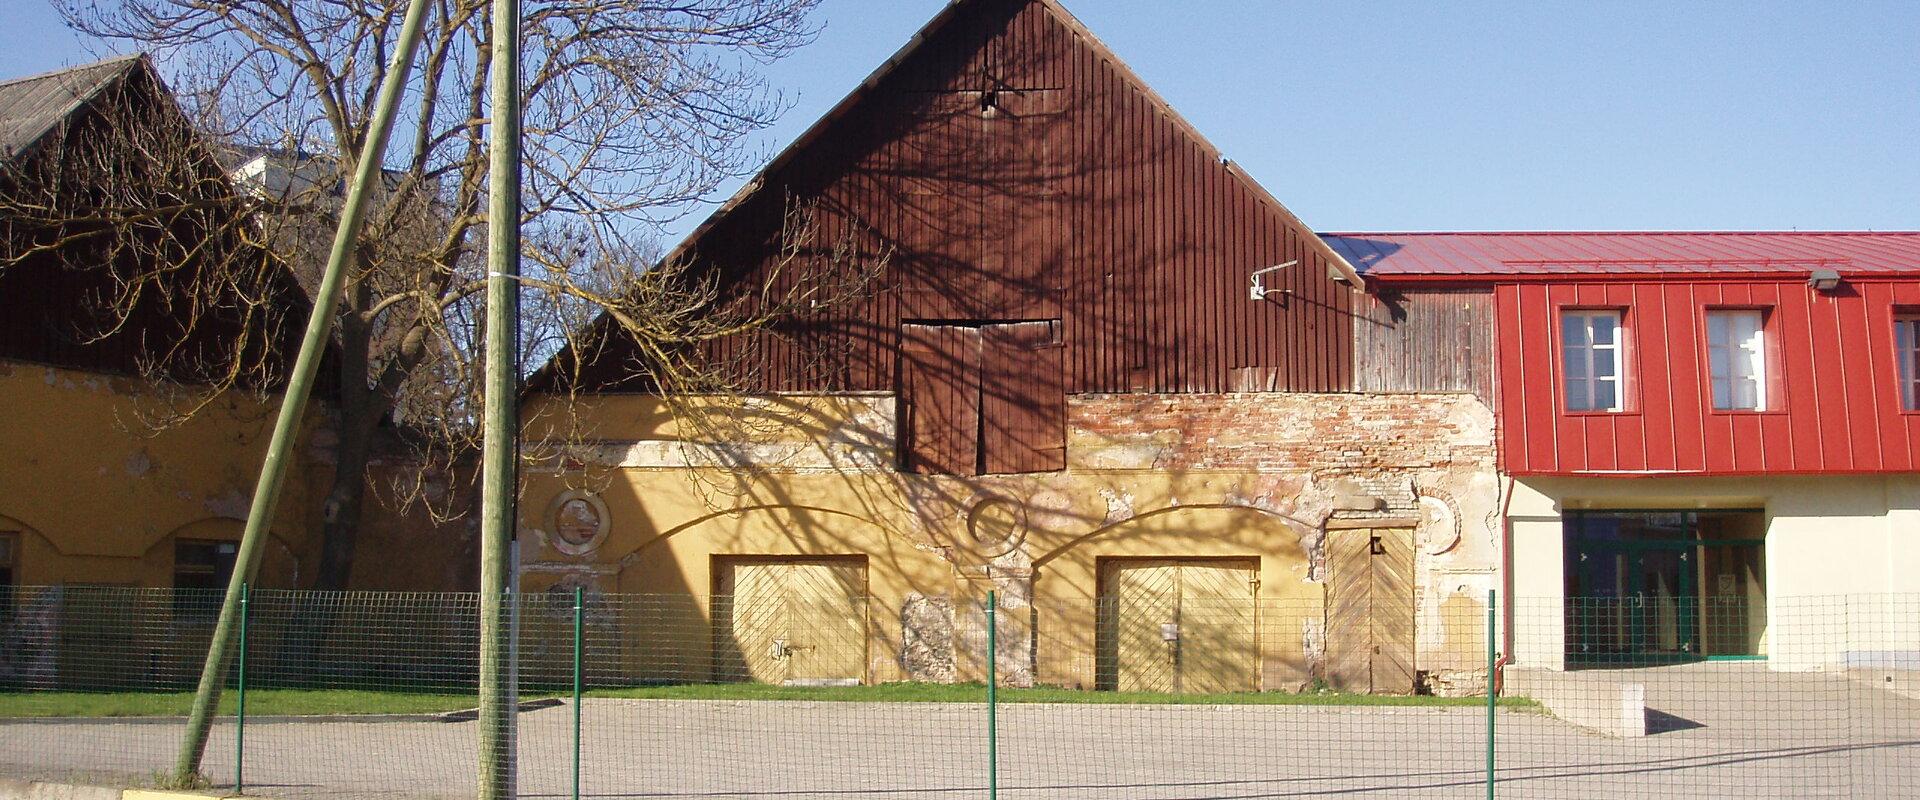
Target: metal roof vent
<point x="1824" y="279"/>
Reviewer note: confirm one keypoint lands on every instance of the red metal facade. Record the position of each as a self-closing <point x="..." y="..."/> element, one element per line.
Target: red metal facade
<point x="1834" y="397"/>
<point x="1018" y="172"/>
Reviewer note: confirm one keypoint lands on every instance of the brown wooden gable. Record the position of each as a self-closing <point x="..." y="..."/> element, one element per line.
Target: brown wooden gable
<point x="53" y="302"/>
<point x="1018" y="172"/>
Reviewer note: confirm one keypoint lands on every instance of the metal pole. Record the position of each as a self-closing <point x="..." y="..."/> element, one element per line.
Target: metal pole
<point x="293" y="403"/>
<point x="240" y="700"/>
<point x="993" y="722"/>
<point x="579" y="653"/>
<point x="1493" y="694"/>
<point x="499" y="474"/>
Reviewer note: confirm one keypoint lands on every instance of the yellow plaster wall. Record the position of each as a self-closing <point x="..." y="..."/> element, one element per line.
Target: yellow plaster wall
<point x="97" y="496"/>
<point x="821" y="482"/>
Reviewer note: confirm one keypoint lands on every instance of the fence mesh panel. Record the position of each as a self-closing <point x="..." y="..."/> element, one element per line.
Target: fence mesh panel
<point x="1173" y="686"/>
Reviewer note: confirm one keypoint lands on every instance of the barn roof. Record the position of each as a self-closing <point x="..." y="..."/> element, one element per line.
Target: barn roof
<point x="952" y="11"/>
<point x="941" y="29"/>
<point x="1518" y="255"/>
<point x="32" y="106"/>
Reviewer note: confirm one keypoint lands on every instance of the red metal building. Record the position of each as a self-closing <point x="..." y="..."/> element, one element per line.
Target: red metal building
<point x="1697" y="430"/>
<point x="1831" y="399"/>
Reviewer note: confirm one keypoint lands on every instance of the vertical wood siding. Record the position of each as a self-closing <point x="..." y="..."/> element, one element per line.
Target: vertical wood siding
<point x="1425" y="340"/>
<point x="1080" y="199"/>
<point x="1834" y="404"/>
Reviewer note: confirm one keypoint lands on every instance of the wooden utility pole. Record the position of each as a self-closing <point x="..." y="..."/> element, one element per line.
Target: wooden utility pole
<point x="293" y="403"/>
<point x="499" y="467"/>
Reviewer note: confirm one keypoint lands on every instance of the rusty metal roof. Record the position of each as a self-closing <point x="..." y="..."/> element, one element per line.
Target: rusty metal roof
<point x="1509" y="255"/>
<point x="33" y="105"/>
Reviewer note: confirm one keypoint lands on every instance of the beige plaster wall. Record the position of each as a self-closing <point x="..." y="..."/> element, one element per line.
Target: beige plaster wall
<point x="1840" y="557"/>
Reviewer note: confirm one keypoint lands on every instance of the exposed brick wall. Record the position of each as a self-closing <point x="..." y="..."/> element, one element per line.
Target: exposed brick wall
<point x="1347" y="433"/>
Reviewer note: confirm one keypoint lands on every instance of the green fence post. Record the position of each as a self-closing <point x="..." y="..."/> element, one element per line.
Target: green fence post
<point x="1493" y="658"/>
<point x="240" y="701"/>
<point x="993" y="722"/>
<point x="579" y="617"/>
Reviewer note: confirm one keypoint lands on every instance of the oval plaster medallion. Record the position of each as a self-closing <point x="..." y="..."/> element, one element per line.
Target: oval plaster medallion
<point x="578" y="521"/>
<point x="996" y="526"/>
<point x="1439" y="529"/>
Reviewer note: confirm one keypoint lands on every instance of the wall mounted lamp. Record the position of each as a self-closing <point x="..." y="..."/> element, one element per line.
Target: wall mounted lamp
<point x="1823" y="280"/>
<point x="1258" y="291"/>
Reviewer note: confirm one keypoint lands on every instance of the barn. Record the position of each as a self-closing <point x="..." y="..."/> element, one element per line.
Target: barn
<point x="1102" y="374"/>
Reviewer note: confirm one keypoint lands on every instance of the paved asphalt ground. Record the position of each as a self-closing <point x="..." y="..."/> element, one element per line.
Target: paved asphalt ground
<point x="1723" y="731"/>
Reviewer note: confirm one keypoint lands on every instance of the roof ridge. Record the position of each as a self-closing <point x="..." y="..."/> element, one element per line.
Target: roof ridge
<point x="55" y="73"/>
<point x="1628" y="233"/>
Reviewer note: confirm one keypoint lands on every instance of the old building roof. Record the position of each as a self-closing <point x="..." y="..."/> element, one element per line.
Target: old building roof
<point x="51" y="308"/>
<point x="33" y="105"/>
<point x="1517" y="255"/>
<point x="1007" y="226"/>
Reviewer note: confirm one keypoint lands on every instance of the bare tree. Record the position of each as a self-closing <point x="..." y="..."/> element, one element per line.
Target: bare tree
<point x="635" y="110"/>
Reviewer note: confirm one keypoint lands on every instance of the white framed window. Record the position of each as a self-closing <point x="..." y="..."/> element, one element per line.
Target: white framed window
<point x="1906" y="350"/>
<point x="1737" y="359"/>
<point x="1590" y="357"/>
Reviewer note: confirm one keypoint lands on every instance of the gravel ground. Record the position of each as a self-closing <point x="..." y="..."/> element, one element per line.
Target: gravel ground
<point x="1754" y="734"/>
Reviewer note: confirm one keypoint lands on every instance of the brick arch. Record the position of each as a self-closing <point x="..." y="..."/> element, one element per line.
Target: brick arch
<point x="280" y="565"/>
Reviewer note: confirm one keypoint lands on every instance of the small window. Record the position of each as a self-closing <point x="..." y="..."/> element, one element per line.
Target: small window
<point x="1737" y="358"/>
<point x="1906" y="341"/>
<point x="1590" y="359"/>
<point x="201" y="570"/>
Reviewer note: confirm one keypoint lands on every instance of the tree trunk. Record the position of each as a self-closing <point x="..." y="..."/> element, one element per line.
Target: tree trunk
<point x="361" y="406"/>
<point x="340" y="514"/>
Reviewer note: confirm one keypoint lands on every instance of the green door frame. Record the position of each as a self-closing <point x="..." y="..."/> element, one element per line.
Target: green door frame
<point x="1687" y="594"/>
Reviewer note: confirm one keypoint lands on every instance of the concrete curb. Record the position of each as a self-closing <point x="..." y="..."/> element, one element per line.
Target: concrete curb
<point x="1598" y="701"/>
<point x="163" y="794"/>
<point x="463" y="715"/>
<point x="11" y="789"/>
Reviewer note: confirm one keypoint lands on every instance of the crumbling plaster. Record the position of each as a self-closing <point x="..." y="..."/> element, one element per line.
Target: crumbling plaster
<point x="1302" y="461"/>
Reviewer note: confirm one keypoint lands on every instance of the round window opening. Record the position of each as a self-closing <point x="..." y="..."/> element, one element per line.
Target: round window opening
<point x="997" y="525"/>
<point x="579" y="522"/>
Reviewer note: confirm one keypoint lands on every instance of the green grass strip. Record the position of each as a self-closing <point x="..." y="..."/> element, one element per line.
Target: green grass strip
<point x="311" y="702"/>
<point x="976" y="693"/>
<point x="262" y="702"/>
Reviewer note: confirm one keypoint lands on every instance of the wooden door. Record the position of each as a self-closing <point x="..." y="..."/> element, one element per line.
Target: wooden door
<point x="1219" y="649"/>
<point x="799" y="621"/>
<point x="826" y="623"/>
<point x="1180" y="626"/>
<point x="1370" y="626"/>
<point x="940" y="399"/>
<point x="1023" y="398"/>
<point x="752" y="607"/>
<point x="1142" y="598"/>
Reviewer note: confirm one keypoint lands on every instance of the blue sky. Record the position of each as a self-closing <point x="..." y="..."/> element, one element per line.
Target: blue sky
<point x="1470" y="115"/>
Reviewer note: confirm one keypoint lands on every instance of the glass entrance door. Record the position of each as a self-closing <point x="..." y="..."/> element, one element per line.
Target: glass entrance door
<point x="1635" y="592"/>
<point x="1665" y="603"/>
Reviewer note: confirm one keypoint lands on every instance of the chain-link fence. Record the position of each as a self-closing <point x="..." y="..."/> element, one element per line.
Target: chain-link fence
<point x="1172" y="688"/>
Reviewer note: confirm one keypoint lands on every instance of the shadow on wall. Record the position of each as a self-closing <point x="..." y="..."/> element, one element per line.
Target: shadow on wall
<point x="1010" y="175"/>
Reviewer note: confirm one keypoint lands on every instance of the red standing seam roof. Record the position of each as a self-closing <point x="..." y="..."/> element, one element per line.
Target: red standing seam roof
<point x="1515" y="254"/>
